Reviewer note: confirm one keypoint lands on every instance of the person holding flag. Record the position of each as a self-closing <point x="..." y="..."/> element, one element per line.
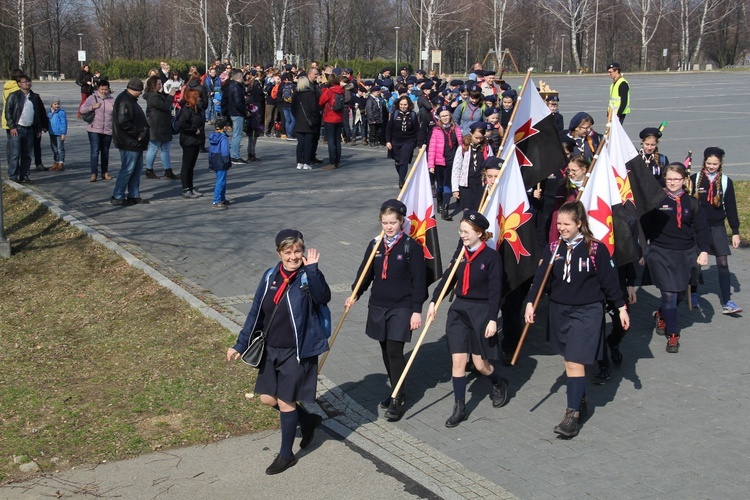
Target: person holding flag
<point x="471" y="327"/>
<point x="399" y="289"/>
<point x="677" y="231"/>
<point x="468" y="165"/>
<point x="583" y="276"/>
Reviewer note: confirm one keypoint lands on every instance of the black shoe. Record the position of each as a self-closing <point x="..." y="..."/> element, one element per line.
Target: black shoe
<point x="238" y="161"/>
<point x="603" y="375"/>
<point x="386" y="402"/>
<point x="459" y="414"/>
<point x="316" y="160"/>
<point x="396" y="409"/>
<point x="150" y="174"/>
<point x="308" y="431"/>
<point x="616" y="355"/>
<point x="169" y="174"/>
<point x="136" y="201"/>
<point x="41" y="168"/>
<point x="499" y="394"/>
<point x="445" y="215"/>
<point x="400" y="184"/>
<point x="118" y="202"/>
<point x="25" y="180"/>
<point x="583" y="410"/>
<point x="280" y="464"/>
<point x="569" y="426"/>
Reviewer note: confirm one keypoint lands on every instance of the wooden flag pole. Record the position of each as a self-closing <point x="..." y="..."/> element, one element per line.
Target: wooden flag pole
<point x="366" y="269"/>
<point x="547" y="273"/>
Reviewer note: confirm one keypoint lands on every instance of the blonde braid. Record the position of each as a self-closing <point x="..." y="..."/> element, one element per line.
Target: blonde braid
<point x="716" y="202"/>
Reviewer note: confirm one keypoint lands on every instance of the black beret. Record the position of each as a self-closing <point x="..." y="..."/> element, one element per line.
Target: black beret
<point x="477" y="219"/>
<point x="552" y="98"/>
<point x="427" y="85"/>
<point x="478" y="126"/>
<point x="444" y="108"/>
<point x="493" y="163"/>
<point x="437" y="100"/>
<point x="578" y="118"/>
<point x="491" y="111"/>
<point x="411" y="79"/>
<point x="368" y="83"/>
<point x="287" y="67"/>
<point x="492" y="98"/>
<point x="510" y="93"/>
<point x="287" y="233"/>
<point x="384" y="70"/>
<point x="463" y="88"/>
<point x="648" y="131"/>
<point x="420" y="72"/>
<point x="614" y="65"/>
<point x="479" y="72"/>
<point x="456" y="83"/>
<point x="713" y="151"/>
<point x="489" y="72"/>
<point x="394" y="204"/>
<point x="404" y="68"/>
<point x="504" y="86"/>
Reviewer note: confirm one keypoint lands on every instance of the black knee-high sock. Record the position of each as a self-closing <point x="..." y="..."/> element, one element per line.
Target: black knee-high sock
<point x="288" y="432"/>
<point x="494" y="376"/>
<point x="459" y="387"/>
<point x="302" y="415"/>
<point x="576" y="390"/>
<point x="724" y="279"/>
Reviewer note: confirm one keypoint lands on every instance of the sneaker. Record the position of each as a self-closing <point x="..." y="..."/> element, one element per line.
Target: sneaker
<point x="306" y="167"/>
<point x="500" y="393"/>
<point x="695" y="299"/>
<point x="238" y="161"/>
<point x="220" y="206"/>
<point x="187" y="193"/>
<point x="331" y="166"/>
<point x="568" y="428"/>
<point x="602" y="377"/>
<point x="41" y="168"/>
<point x="118" y="202"/>
<point x="280" y="464"/>
<point x="291" y="139"/>
<point x="299" y="166"/>
<point x="731" y="308"/>
<point x="673" y="343"/>
<point x="661" y="326"/>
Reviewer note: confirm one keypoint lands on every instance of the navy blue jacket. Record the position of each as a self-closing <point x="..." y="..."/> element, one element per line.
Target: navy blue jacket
<point x="233" y="99"/>
<point x="311" y="339"/>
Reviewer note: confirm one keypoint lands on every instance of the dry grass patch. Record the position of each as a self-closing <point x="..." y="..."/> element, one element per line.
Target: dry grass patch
<point x="98" y="361"/>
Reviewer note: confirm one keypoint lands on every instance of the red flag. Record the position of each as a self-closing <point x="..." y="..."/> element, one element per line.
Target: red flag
<point x="420" y="223"/>
<point x="512" y="225"/>
<point x="538" y="148"/>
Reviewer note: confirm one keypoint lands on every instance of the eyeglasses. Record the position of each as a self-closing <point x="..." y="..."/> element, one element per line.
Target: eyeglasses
<point x="674" y="180"/>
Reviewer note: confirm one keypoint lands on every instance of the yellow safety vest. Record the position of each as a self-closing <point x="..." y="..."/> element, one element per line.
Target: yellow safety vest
<point x="614" y="96"/>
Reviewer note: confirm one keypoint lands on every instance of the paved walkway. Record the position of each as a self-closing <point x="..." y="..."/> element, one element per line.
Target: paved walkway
<point x="664" y="426"/>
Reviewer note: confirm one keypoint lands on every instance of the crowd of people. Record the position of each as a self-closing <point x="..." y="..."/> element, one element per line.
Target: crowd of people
<point x="461" y="124"/>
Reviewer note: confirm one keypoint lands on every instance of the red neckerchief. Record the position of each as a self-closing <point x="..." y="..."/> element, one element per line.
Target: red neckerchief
<point x="467" y="273"/>
<point x="448" y="133"/>
<point x="473" y="110"/>
<point x="677" y="199"/>
<point x="388" y="249"/>
<point x="711" y="187"/>
<point x="282" y="287"/>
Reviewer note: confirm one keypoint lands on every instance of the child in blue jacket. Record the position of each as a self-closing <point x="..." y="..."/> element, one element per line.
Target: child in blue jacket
<point x="58" y="129"/>
<point x="219" y="160"/>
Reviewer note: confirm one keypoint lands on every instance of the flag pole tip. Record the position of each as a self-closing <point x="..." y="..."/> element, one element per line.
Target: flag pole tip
<point x="530" y="69"/>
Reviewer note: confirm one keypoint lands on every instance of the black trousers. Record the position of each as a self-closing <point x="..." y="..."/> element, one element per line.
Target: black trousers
<point x="189" y="159"/>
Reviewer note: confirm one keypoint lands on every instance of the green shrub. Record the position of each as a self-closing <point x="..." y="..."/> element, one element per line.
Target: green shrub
<point x="369" y="68"/>
<point x="123" y="69"/>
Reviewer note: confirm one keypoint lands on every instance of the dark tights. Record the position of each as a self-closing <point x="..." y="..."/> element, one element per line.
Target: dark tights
<point x="669" y="302"/>
<point x="394" y="360"/>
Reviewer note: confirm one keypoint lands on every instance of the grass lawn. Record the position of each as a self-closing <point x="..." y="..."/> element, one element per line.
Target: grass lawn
<point x="742" y="194"/>
<point x="98" y="361"/>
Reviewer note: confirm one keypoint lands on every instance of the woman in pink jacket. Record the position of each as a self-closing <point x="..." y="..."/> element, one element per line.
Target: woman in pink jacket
<point x="444" y="140"/>
<point x="100" y="130"/>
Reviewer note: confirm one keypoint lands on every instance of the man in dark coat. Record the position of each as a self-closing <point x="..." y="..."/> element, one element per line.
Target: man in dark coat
<point x="24" y="120"/>
<point x="130" y="133"/>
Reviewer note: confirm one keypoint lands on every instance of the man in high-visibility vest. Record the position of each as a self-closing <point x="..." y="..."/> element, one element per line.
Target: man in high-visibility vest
<point x="619" y="91"/>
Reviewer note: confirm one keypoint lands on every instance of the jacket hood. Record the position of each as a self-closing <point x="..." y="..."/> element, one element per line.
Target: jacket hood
<point x="10" y="86"/>
<point x="215" y="138"/>
<point x="338" y="89"/>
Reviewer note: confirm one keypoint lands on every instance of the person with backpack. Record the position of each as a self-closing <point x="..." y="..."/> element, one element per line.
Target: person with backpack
<point x="401" y="136"/>
<point x="715" y="191"/>
<point x="332" y="103"/>
<point x="399" y="289"/>
<point x="288" y="88"/>
<point x="470" y="110"/>
<point x="288" y="371"/>
<point x="655" y="161"/>
<point x="583" y="276"/>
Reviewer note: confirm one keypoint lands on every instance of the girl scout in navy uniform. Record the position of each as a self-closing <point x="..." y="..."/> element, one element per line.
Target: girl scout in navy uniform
<point x="715" y="191"/>
<point x="583" y="276"/>
<point x="655" y="161"/>
<point x="676" y="229"/>
<point x="471" y="327"/>
<point x="399" y="289"/>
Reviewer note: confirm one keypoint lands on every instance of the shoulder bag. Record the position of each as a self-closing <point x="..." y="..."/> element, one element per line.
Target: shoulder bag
<point x="89" y="116"/>
<point x="256" y="348"/>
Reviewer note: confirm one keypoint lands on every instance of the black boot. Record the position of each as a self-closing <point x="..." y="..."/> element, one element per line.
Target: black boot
<point x="500" y="393"/>
<point x="396" y="409"/>
<point x="150" y="174"/>
<point x="569" y="426"/>
<point x="445" y="214"/>
<point x="459" y="414"/>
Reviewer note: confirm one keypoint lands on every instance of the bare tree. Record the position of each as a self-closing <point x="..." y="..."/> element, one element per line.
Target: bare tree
<point x="429" y="14"/>
<point x="708" y="15"/>
<point x="16" y="16"/>
<point x="645" y="16"/>
<point x="573" y="15"/>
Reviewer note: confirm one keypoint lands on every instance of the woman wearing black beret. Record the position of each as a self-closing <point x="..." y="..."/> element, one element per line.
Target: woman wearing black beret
<point x="399" y="289"/>
<point x="471" y="327"/>
<point x="654" y="160"/>
<point x="288" y="371"/>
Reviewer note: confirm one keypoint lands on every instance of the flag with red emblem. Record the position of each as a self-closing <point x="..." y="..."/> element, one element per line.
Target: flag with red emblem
<point x="538" y="148"/>
<point x="420" y="223"/>
<point x="599" y="197"/>
<point x="512" y="225"/>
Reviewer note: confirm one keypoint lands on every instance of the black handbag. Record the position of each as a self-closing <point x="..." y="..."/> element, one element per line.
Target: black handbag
<point x="89" y="116"/>
<point x="256" y="348"/>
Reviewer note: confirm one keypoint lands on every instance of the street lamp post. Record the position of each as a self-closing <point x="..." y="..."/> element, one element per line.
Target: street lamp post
<point x="562" y="51"/>
<point x="396" y="28"/>
<point x="250" y="29"/>
<point x="466" y="52"/>
<point x="80" y="45"/>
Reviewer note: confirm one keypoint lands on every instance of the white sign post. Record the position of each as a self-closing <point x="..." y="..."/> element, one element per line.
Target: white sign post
<point x="81" y="56"/>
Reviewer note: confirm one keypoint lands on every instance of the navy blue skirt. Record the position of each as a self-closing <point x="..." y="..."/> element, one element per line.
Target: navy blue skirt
<point x="671" y="270"/>
<point x="719" y="243"/>
<point x="577" y="332"/>
<point x="281" y="376"/>
<point x="384" y="323"/>
<point x="465" y="327"/>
